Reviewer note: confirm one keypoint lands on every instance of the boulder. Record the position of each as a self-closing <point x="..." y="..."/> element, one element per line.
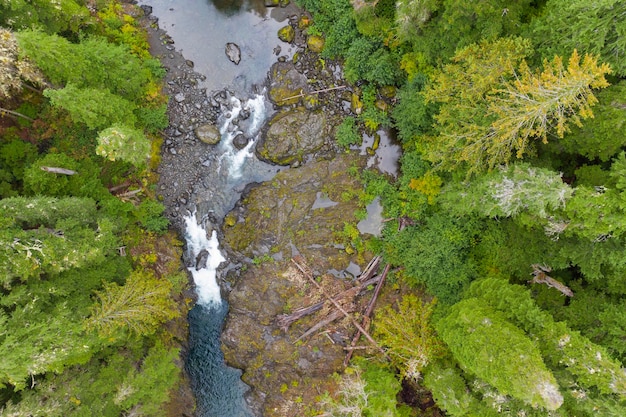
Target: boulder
<point x="208" y="134"/>
<point x="233" y="52"/>
<point x="286" y="84"/>
<point x="293" y="134"/>
<point x="240" y="141"/>
<point x="286" y="34"/>
<point x="315" y="43"/>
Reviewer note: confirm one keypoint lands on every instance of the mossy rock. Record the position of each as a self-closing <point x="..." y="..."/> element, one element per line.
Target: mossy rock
<point x="388" y="91"/>
<point x="292" y="135"/>
<point x="304" y="22"/>
<point x="315" y="43"/>
<point x="286" y="84"/>
<point x="356" y="105"/>
<point x="286" y="34"/>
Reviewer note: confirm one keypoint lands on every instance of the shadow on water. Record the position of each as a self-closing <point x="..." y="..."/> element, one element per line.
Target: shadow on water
<point x="232" y="7"/>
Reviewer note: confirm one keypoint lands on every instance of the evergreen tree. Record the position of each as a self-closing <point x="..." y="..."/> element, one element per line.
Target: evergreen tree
<point x="592" y="26"/>
<point x="485" y="343"/>
<point x="139" y="306"/>
<point x="493" y="104"/>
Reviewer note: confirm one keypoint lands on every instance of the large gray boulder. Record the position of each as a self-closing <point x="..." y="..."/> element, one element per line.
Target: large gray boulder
<point x="208" y="134"/>
<point x="287" y="85"/>
<point x="292" y="135"/>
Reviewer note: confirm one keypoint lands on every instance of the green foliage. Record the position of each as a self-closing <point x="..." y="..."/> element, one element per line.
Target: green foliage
<point x="150" y="215"/>
<point x="559" y="345"/>
<point x="436" y="29"/>
<point x="593" y="27"/>
<point x="520" y="188"/>
<point x="95" y="108"/>
<point x="153" y="119"/>
<point x="412" y="116"/>
<point x="14" y="157"/>
<point x="139" y="306"/>
<point x="85" y="183"/>
<point x="485" y="343"/>
<point x="508" y="104"/>
<point x="366" y="390"/>
<point x="54" y="243"/>
<point x="436" y="254"/>
<point x="125" y="143"/>
<point x="368" y="60"/>
<point x="604" y="135"/>
<point x="347" y="133"/>
<point x="92" y="63"/>
<point x="110" y="386"/>
<point x="52" y="17"/>
<point x="407" y="333"/>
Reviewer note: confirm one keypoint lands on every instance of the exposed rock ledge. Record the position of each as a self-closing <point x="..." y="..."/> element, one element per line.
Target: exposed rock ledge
<point x="277" y="220"/>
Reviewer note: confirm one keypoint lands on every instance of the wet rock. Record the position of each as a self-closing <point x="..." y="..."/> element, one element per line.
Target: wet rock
<point x="147" y="10"/>
<point x="315" y="43"/>
<point x="286" y="34"/>
<point x="201" y="259"/>
<point x="292" y="135"/>
<point x="286" y="84"/>
<point x="189" y="63"/>
<point x="208" y="133"/>
<point x="280" y="214"/>
<point x="240" y="141"/>
<point x="233" y="52"/>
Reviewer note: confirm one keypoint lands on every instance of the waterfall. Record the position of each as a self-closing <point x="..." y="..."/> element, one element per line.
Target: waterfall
<point x="198" y="247"/>
<point x="218" y="387"/>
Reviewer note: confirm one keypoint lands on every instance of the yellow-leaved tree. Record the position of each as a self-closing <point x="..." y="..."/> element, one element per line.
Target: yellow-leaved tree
<point x="492" y="104"/>
<point x="139" y="306"/>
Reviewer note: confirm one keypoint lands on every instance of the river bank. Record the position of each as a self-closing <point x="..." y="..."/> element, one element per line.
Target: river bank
<point x="304" y="211"/>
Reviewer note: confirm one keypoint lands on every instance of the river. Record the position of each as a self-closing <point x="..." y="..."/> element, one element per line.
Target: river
<point x="201" y="29"/>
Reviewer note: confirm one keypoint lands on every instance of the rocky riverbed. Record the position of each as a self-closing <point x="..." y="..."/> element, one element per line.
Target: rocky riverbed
<point x="303" y="211"/>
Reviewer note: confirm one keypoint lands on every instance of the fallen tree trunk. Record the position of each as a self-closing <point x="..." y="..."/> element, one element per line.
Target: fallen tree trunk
<point x="298" y="261"/>
<point x="368" y="312"/>
<point x="57" y="170"/>
<point x="286" y="320"/>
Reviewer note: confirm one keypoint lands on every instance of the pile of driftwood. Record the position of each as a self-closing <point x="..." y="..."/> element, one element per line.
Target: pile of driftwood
<point x="342" y="304"/>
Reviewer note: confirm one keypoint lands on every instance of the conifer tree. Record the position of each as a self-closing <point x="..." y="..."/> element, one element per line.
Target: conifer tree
<point x="138" y="306"/>
<point x="493" y="104"/>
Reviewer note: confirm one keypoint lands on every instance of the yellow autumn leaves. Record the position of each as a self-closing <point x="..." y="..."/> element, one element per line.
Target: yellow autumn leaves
<point x="491" y="109"/>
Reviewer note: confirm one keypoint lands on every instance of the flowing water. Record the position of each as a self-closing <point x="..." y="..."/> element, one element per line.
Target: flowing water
<point x="201" y="29"/>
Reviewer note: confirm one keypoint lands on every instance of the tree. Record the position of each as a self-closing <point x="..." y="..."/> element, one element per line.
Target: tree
<point x="560" y="346"/>
<point x="125" y="143"/>
<point x="492" y="103"/>
<point x="139" y="306"/>
<point x="408" y="335"/>
<point x="485" y="343"/>
<point x="591" y="26"/>
<point x="50" y="16"/>
<point x="509" y="192"/>
<point x="94" y="107"/>
<point x="48" y="236"/>
<point x="14" y="70"/>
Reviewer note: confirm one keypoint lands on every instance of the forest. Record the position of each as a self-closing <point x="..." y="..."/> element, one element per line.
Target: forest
<point x="512" y="194"/>
<point x="89" y="271"/>
<point x="512" y="120"/>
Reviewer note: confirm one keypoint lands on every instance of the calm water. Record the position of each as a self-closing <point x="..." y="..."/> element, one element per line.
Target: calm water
<point x="202" y="28"/>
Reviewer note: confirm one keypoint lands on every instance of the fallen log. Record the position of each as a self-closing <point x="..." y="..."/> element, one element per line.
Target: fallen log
<point x="57" y="170"/>
<point x="367" y="315"/>
<point x="302" y="93"/>
<point x="320" y="324"/>
<point x="286" y="320"/>
<point x="298" y="261"/>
